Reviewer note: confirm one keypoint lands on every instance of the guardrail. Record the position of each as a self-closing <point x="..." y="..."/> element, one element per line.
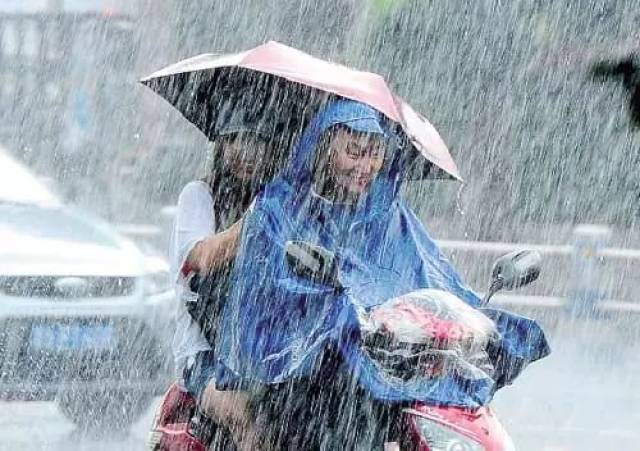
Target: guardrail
<point x="581" y="262"/>
<point x="544" y="249"/>
<point x="577" y="268"/>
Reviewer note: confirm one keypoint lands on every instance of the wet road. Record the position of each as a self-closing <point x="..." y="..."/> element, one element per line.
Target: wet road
<point x="583" y="397"/>
<point x="40" y="426"/>
<point x="577" y="399"/>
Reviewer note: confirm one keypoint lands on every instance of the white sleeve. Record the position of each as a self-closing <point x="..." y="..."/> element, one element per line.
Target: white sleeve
<point x="194" y="221"/>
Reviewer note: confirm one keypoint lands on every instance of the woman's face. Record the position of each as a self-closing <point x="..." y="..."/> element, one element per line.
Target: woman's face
<point x="245" y="154"/>
<point x="354" y="160"/>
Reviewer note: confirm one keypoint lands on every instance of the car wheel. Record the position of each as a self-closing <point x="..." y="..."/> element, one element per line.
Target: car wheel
<point x="116" y="411"/>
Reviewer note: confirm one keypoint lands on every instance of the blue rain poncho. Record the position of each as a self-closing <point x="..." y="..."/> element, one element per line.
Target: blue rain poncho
<point x="275" y="326"/>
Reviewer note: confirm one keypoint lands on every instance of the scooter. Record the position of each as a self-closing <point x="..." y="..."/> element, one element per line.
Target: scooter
<point x="179" y="426"/>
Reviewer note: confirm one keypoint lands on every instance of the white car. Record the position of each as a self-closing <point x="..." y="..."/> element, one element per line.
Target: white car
<point x="85" y="318"/>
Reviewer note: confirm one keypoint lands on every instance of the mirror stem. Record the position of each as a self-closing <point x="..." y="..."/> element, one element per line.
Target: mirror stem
<point x="495" y="286"/>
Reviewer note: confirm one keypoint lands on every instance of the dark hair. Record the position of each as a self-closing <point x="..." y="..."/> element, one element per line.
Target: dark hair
<point x="216" y="168"/>
<point x="322" y="154"/>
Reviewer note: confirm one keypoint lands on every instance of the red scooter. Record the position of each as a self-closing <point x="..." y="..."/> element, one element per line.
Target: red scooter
<point x="437" y="323"/>
<point x="178" y="427"/>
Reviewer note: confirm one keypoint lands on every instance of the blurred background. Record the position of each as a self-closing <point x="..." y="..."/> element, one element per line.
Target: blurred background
<point x="539" y="102"/>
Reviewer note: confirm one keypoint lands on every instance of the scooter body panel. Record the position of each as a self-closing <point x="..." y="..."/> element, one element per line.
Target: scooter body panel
<point x="481" y="425"/>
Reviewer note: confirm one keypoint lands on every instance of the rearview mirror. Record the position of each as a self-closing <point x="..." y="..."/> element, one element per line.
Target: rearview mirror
<point x="312" y="262"/>
<point x="514" y="270"/>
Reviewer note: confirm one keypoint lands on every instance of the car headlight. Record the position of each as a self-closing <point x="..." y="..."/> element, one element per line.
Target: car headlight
<point x="442" y="438"/>
<point x="156" y="282"/>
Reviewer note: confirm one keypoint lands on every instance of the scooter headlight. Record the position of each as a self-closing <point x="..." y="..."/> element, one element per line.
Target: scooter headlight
<point x="442" y="438"/>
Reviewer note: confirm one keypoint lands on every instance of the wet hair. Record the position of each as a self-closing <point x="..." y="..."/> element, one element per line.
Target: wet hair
<point x="322" y="154"/>
<point x="228" y="193"/>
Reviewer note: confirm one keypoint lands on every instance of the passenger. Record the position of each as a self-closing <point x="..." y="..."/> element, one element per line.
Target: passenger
<point x="205" y="237"/>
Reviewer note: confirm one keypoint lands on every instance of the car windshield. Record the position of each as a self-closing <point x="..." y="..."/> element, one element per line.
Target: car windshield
<point x="53" y="223"/>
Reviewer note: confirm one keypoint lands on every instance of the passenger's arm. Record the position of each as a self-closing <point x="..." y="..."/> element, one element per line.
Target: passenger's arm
<point x="194" y="222"/>
<point x="215" y="250"/>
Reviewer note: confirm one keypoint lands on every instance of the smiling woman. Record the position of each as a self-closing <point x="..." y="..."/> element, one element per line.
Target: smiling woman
<point x="347" y="163"/>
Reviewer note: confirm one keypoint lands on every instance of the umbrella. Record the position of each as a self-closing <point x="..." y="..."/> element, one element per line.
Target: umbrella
<point x="197" y="86"/>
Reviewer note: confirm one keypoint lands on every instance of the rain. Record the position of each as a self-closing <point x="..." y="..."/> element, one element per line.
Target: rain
<point x="110" y="153"/>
